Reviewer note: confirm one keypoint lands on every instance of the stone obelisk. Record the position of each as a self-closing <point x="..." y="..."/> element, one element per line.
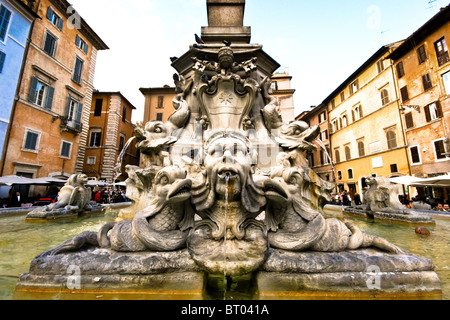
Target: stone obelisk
<point x="226" y="22"/>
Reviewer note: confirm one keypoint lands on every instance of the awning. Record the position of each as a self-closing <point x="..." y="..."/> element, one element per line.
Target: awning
<point x="18" y="180"/>
<point x="440" y="182"/>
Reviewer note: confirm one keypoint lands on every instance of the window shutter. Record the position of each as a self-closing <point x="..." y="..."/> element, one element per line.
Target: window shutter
<point x="49" y="101"/>
<point x="49" y="13"/>
<point x="86" y="48"/>
<point x="427" y="113"/>
<point x="409" y="120"/>
<point x="60" y="24"/>
<point x="439" y="109"/>
<point x="2" y="60"/>
<point x="69" y="101"/>
<point x="77" y="41"/>
<point x="32" y="95"/>
<point x="79" y="115"/>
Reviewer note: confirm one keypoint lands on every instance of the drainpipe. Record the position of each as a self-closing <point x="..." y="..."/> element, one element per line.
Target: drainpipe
<point x="405" y="140"/>
<point x="17" y="95"/>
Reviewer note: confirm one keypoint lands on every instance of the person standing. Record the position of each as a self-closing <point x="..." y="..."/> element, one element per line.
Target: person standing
<point x="16" y="200"/>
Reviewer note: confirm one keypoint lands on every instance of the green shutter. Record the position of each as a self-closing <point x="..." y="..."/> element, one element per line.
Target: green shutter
<point x="49" y="13"/>
<point x="49" y="100"/>
<point x="60" y="24"/>
<point x="79" y="115"/>
<point x="68" y="116"/>
<point x="32" y="95"/>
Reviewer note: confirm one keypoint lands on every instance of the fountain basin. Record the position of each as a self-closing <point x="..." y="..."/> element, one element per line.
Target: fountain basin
<point x="412" y="217"/>
<point x="285" y="274"/>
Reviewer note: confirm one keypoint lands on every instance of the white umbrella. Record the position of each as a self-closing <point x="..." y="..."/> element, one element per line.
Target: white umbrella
<point x="442" y="181"/>
<point x="11" y="180"/>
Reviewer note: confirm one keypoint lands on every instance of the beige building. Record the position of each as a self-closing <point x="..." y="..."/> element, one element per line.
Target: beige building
<point x="281" y="87"/>
<point x="50" y="117"/>
<point x="423" y="75"/>
<point x="158" y="103"/>
<point x="366" y="130"/>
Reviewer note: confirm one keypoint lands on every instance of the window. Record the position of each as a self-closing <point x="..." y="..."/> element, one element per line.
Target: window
<point x="98" y="107"/>
<point x="91" y="161"/>
<point x="439" y="150"/>
<point x="31" y="141"/>
<point x="441" y="51"/>
<point x="409" y="120"/>
<point x="354" y="87"/>
<point x="400" y="70"/>
<point x="421" y="54"/>
<point x="160" y="102"/>
<point x="66" y="149"/>
<point x="350" y="174"/>
<point x="82" y="44"/>
<point x="74" y="113"/>
<point x="322" y="117"/>
<point x="342" y="96"/>
<point x="274" y="86"/>
<point x="78" y="70"/>
<point x="50" y="44"/>
<point x="333" y="104"/>
<point x="159" y="117"/>
<point x="2" y="60"/>
<point x="311" y="160"/>
<point x="121" y="142"/>
<point x="426" y="80"/>
<point x="361" y="149"/>
<point x="446" y="78"/>
<point x="391" y="137"/>
<point x="415" y="155"/>
<point x="337" y="156"/>
<point x="357" y="113"/>
<point x="394" y="168"/>
<point x="385" y="97"/>
<point x="433" y="111"/>
<point x="124" y="113"/>
<point x="324" y="157"/>
<point x="348" y="153"/>
<point x="5" y="16"/>
<point x="96" y="138"/>
<point x="380" y="66"/>
<point x="41" y="94"/>
<point x="334" y="125"/>
<point x="54" y="18"/>
<point x="404" y="93"/>
<point x="339" y="175"/>
<point x="344" y="121"/>
<point x="324" y="135"/>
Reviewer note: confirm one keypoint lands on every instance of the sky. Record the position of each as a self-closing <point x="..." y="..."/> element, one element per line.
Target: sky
<point x="321" y="42"/>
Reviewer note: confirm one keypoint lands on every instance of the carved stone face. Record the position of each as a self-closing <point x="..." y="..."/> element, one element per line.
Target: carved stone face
<point x="83" y="179"/>
<point x="228" y="164"/>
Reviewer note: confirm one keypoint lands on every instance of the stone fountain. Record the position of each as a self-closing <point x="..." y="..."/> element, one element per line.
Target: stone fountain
<point x="381" y="202"/>
<point x="226" y="200"/>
